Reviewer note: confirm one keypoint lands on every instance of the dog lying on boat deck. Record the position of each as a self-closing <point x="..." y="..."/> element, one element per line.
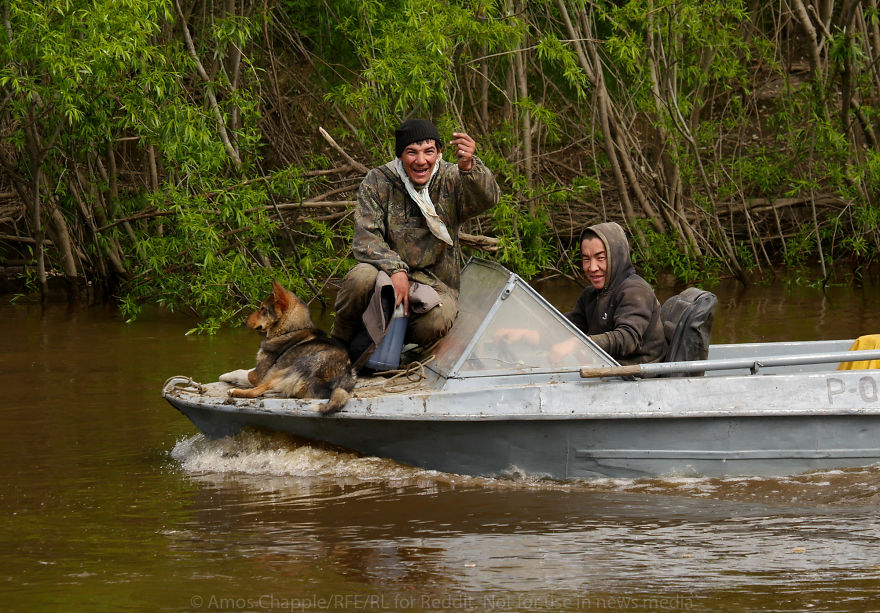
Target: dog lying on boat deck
<point x="296" y="359"/>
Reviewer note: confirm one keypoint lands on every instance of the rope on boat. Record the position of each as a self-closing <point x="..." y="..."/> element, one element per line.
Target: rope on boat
<point x="414" y="372"/>
<point x="180" y="381"/>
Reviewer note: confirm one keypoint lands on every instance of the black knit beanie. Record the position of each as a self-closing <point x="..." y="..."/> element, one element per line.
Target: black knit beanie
<point x="415" y="131"/>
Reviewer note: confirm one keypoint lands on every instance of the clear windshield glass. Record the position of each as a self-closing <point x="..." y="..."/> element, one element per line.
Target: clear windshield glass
<point x="481" y="284"/>
<point x="504" y="326"/>
<point x="524" y="334"/>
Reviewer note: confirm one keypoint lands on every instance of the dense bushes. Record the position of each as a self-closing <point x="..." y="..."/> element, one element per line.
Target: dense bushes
<point x="172" y="152"/>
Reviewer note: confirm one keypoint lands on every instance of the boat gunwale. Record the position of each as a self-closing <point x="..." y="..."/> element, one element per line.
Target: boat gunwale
<point x="362" y="408"/>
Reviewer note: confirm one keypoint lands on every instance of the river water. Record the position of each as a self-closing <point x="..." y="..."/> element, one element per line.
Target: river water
<point x="112" y="501"/>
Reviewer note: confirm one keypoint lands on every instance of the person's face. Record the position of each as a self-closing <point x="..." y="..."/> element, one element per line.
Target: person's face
<point x="418" y="161"/>
<point x="594" y="261"/>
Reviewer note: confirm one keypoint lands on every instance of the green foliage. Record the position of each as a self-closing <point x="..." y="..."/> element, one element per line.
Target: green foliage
<point x="662" y="253"/>
<point x="844" y="49"/>
<point x="763" y="172"/>
<point x="685" y="31"/>
<point x="223" y="254"/>
<point x="562" y="58"/>
<point x="409" y="52"/>
<point x="319" y="257"/>
<point x="870" y="173"/>
<point x="746" y="256"/>
<point x="82" y="79"/>
<point x="801" y="249"/>
<point x="542" y="115"/>
<point x="97" y="71"/>
<point x="524" y="245"/>
<point x="65" y="69"/>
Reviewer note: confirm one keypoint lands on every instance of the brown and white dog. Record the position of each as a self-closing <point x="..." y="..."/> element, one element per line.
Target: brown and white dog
<point x="296" y="359"/>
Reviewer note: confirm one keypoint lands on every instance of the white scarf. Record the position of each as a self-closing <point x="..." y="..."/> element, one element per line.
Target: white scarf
<point x="423" y="199"/>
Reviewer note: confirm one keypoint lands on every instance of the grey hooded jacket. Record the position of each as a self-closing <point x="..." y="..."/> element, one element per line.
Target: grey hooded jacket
<point x="623" y="318"/>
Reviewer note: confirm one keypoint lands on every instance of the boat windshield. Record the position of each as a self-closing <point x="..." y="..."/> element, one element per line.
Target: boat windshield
<point x="505" y="326"/>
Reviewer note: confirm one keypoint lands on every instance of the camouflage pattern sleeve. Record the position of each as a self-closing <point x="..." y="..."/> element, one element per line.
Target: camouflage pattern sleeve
<point x="370" y="244"/>
<point x="480" y="191"/>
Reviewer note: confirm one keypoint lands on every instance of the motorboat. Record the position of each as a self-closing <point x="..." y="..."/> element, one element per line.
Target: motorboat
<point x="484" y="402"/>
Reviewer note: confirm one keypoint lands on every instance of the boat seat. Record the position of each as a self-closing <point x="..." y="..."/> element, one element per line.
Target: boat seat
<point x="687" y="324"/>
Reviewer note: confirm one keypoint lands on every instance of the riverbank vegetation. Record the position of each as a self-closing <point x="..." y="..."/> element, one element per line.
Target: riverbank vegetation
<point x="184" y="152"/>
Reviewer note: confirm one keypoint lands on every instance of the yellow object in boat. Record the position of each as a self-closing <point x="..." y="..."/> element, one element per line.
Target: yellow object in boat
<point x="869" y="341"/>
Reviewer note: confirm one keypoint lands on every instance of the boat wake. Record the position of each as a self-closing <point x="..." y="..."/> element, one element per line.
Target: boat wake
<point x="851" y="486"/>
<point x="271" y="454"/>
<point x="259" y="453"/>
<point x="265" y="454"/>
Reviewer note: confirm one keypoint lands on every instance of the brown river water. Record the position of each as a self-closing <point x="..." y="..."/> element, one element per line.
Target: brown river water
<point x="112" y="501"/>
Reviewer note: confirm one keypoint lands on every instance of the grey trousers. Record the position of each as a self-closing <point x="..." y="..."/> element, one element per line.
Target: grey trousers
<point x="354" y="296"/>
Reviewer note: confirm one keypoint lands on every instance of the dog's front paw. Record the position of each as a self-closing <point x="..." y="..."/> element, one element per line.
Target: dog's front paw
<point x="324" y="409"/>
<point x="337" y="400"/>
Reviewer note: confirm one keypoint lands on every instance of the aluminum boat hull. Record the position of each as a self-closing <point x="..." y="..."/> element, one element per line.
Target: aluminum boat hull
<point x="729" y="425"/>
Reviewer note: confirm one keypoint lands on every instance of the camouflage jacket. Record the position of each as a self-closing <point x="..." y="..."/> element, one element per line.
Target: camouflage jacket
<point x="391" y="232"/>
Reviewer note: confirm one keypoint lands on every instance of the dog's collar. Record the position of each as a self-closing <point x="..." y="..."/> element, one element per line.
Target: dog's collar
<point x="288" y="340"/>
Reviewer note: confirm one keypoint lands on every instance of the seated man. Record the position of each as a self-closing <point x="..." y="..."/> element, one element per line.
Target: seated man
<point x="406" y="225"/>
<point x="619" y="310"/>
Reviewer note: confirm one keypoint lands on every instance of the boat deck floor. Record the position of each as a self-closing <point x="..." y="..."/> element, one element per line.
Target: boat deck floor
<point x="368" y="386"/>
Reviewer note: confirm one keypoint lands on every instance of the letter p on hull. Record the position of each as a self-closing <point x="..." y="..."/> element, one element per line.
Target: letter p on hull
<point x="835" y="388"/>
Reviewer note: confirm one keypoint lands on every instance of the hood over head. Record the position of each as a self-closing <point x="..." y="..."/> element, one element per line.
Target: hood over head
<point x="617" y="252"/>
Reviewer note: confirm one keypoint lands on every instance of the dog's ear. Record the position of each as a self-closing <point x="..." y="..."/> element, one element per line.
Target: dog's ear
<point x="281" y="295"/>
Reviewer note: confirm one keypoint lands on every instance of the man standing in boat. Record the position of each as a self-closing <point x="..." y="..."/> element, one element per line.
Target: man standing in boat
<point x="619" y="310"/>
<point x="406" y="225"/>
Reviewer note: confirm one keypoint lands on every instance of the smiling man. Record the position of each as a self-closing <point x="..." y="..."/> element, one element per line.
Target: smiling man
<point x="406" y="225"/>
<point x="619" y="310"/>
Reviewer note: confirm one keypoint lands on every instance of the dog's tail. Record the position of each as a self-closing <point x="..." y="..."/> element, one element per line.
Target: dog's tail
<point x="338" y="398"/>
